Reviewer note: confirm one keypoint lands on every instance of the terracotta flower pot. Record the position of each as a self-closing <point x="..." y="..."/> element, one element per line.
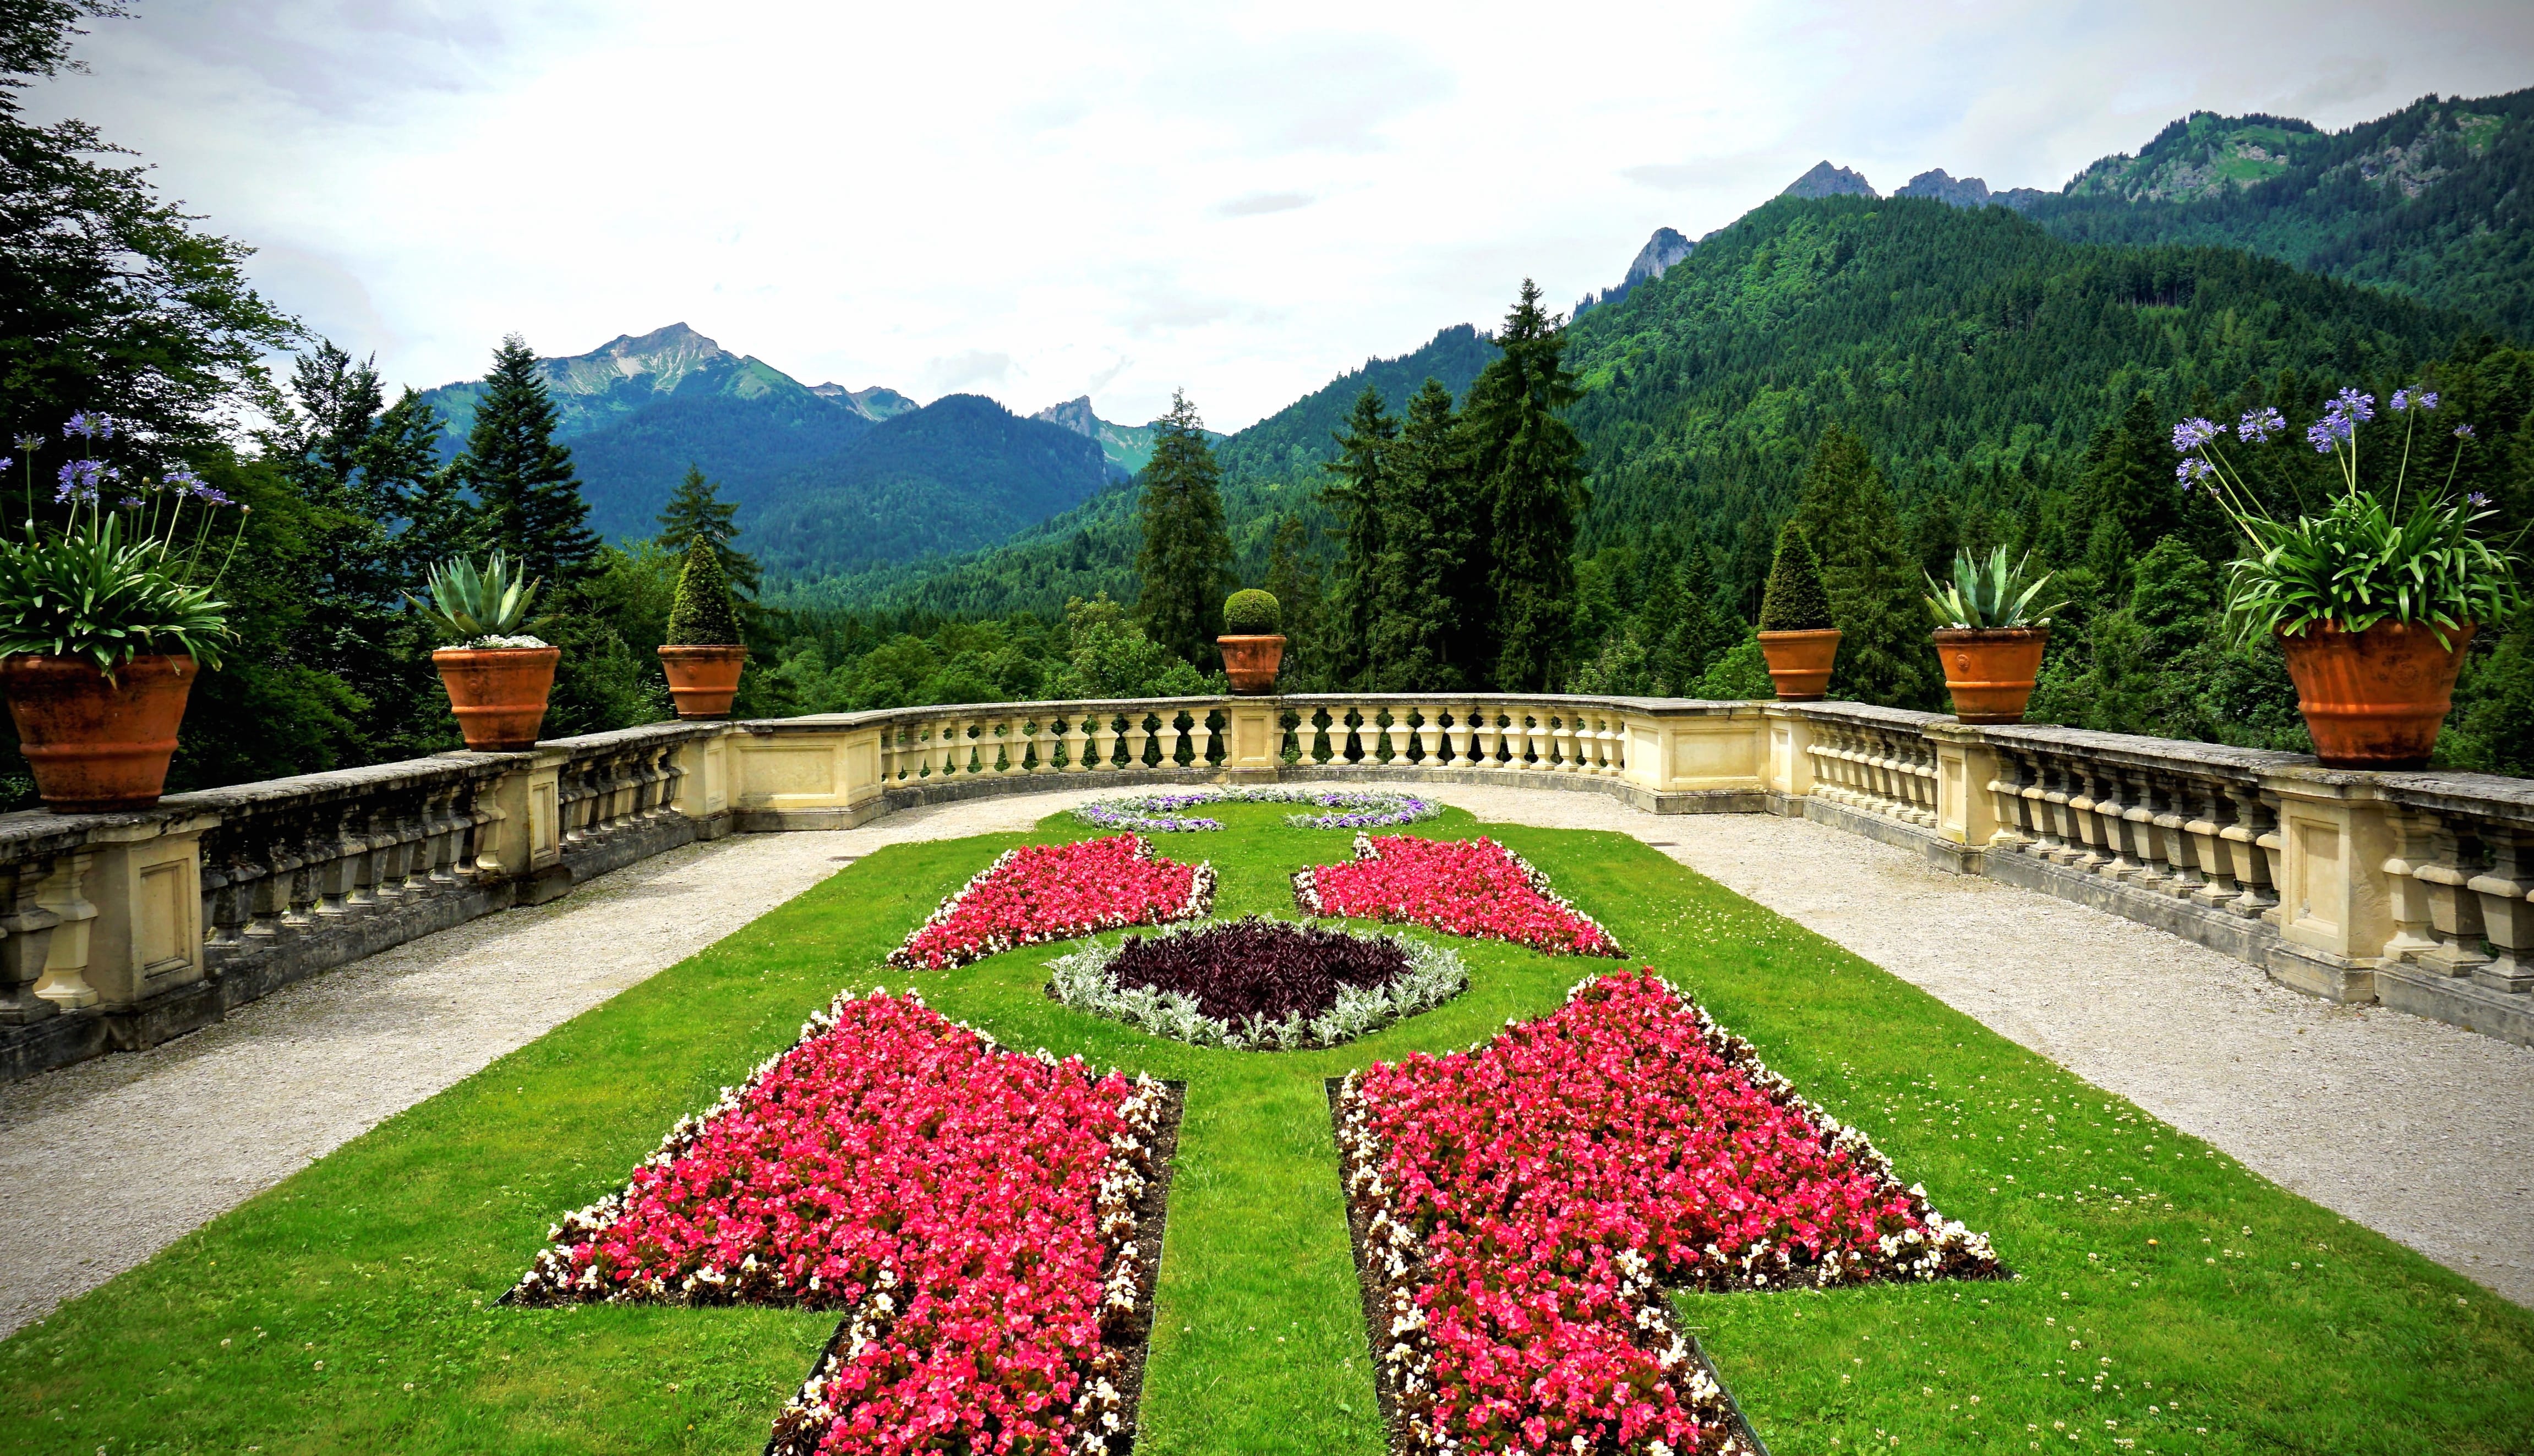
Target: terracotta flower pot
<point x="702" y="679"/>
<point x="1253" y="662"/>
<point x="1799" y="661"/>
<point x="1990" y="670"/>
<point x="499" y="693"/>
<point x="2375" y="699"/>
<point x="95" y="745"/>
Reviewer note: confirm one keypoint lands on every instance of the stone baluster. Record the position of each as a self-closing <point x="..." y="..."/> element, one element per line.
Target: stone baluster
<point x="1485" y="739"/>
<point x="337" y="853"/>
<point x="1542" y="747"/>
<point x="2088" y="826"/>
<point x="2454" y="911"/>
<point x="2406" y="893"/>
<point x="1139" y="740"/>
<point x="2005" y="790"/>
<point x="2206" y="805"/>
<point x="1430" y="736"/>
<point x="2506" y="915"/>
<point x="456" y="813"/>
<point x="1561" y="741"/>
<point x="1201" y="738"/>
<point x="413" y="832"/>
<point x="390" y="847"/>
<point x="1030" y="759"/>
<point x="2062" y="843"/>
<point x="1098" y="744"/>
<point x="2138" y="826"/>
<point x="1613" y="736"/>
<point x="224" y="897"/>
<point x="2253" y="842"/>
<point x="25" y="944"/>
<point x="2113" y="816"/>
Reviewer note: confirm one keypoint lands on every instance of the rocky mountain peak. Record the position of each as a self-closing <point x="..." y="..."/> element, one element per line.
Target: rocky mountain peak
<point x="1666" y="248"/>
<point x="1072" y="414"/>
<point x="877" y="404"/>
<point x="1825" y="180"/>
<point x="1961" y="192"/>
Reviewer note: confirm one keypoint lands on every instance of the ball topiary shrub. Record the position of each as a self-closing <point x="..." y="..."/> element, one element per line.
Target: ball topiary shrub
<point x="1794" y="600"/>
<point x="1252" y="613"/>
<point x="702" y="614"/>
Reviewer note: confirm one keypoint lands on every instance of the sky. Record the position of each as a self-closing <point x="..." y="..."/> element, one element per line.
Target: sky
<point x="1038" y="202"/>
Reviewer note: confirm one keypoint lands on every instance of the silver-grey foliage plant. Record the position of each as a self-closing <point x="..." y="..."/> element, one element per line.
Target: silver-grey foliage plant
<point x="1434" y="976"/>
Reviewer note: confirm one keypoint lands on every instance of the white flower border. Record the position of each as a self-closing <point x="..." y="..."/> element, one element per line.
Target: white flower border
<point x="1100" y="1412"/>
<point x="1137" y="814"/>
<point x="1201" y="900"/>
<point x="1306" y="888"/>
<point x="1434" y="976"/>
<point x="1398" y="1255"/>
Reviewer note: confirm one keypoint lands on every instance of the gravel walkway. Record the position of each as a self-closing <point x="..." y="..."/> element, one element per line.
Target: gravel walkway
<point x="2413" y="1127"/>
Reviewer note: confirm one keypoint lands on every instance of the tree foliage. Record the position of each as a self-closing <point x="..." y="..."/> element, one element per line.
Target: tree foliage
<point x="1187" y="559"/>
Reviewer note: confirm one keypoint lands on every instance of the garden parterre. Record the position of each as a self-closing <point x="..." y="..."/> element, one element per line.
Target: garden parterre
<point x="1256" y="984"/>
<point x="1157" y="813"/>
<point x="357" y="1299"/>
<point x="1042" y="893"/>
<point x="1464" y="887"/>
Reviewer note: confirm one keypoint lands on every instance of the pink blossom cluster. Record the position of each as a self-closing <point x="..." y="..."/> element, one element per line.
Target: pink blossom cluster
<point x="1527" y="1202"/>
<point x="1041" y="892"/>
<point x="1464" y="887"/>
<point x="972" y="1208"/>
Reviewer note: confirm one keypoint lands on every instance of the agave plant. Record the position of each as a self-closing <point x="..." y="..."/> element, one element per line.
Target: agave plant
<point x="482" y="607"/>
<point x="1990" y="596"/>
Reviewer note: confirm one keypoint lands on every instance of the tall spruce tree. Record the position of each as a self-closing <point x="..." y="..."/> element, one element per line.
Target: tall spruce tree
<point x="2128" y="487"/>
<point x="1187" y="559"/>
<point x="1530" y="464"/>
<point x="1431" y="523"/>
<point x="1294" y="579"/>
<point x="1876" y="594"/>
<point x="1359" y="499"/>
<point x="523" y="481"/>
<point x="697" y="508"/>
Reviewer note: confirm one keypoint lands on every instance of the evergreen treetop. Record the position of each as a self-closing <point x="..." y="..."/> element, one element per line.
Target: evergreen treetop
<point x="523" y="481"/>
<point x="1796" y="601"/>
<point x="1360" y="499"/>
<point x="1187" y="557"/>
<point x="702" y="614"/>
<point x="697" y="508"/>
<point x="1531" y="466"/>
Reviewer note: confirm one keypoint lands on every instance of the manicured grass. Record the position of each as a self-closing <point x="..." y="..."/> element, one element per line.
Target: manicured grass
<point x="2304" y="1333"/>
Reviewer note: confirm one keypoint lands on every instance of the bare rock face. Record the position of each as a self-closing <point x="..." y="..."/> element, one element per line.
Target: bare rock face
<point x="875" y="404"/>
<point x="1961" y="192"/>
<point x="1825" y="180"/>
<point x="1074" y="415"/>
<point x="1666" y="248"/>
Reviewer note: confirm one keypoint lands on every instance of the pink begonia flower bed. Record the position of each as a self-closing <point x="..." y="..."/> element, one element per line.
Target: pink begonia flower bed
<point x="1524" y="1204"/>
<point x="974" y="1209"/>
<point x="1042" y="893"/>
<point x="1473" y="888"/>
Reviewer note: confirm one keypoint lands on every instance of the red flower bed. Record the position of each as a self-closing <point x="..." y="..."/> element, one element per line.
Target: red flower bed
<point x="1528" y="1201"/>
<point x="1043" y="892"/>
<point x="1466" y="888"/>
<point x="974" y="1208"/>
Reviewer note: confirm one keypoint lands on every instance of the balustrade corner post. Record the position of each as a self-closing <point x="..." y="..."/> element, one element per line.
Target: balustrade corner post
<point x="27" y="930"/>
<point x="2507" y="914"/>
<point x="1966" y="786"/>
<point x="1249" y="753"/>
<point x="2334" y="914"/>
<point x="146" y="881"/>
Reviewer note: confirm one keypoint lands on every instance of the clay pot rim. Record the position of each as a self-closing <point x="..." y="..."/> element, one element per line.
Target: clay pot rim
<point x="493" y="651"/>
<point x="665" y="648"/>
<point x="1800" y="631"/>
<point x="1251" y="636"/>
<point x="2325" y="627"/>
<point x="1978" y="634"/>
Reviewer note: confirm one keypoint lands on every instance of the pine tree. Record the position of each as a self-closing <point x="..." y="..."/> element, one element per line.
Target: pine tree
<point x="1187" y="559"/>
<point x="1530" y="465"/>
<point x="1885" y="653"/>
<point x="523" y="481"/>
<point x="2127" y="484"/>
<point x="1359" y="498"/>
<point x="1685" y="624"/>
<point x="1426" y="587"/>
<point x="697" y="508"/>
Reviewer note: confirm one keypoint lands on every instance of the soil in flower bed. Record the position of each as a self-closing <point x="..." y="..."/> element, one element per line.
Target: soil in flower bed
<point x="1523" y="1205"/>
<point x="976" y="1213"/>
<point x="1376" y="1322"/>
<point x="1472" y="888"/>
<point x="1253" y="967"/>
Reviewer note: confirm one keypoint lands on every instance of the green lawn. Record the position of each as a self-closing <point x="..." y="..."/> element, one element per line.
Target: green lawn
<point x="352" y="1307"/>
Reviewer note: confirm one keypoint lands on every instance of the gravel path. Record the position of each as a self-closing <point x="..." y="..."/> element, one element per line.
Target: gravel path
<point x="2413" y="1127"/>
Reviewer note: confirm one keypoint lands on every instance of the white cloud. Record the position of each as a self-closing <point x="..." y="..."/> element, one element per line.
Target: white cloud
<point x="1040" y="199"/>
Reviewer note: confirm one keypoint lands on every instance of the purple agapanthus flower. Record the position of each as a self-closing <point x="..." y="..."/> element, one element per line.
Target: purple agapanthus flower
<point x="2192" y="470"/>
<point x="2259" y="425"/>
<point x="2320" y="434"/>
<point x="2464" y="432"/>
<point x="2477" y="500"/>
<point x="89" y="426"/>
<point x="2353" y="405"/>
<point x="2414" y="397"/>
<point x="79" y="480"/>
<point x="2193" y="433"/>
<point x="6" y="462"/>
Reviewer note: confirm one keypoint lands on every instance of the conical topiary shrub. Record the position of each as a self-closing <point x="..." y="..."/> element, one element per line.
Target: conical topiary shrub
<point x="1796" y="634"/>
<point x="704" y="655"/>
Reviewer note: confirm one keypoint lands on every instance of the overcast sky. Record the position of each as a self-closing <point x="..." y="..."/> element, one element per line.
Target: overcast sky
<point x="1036" y="202"/>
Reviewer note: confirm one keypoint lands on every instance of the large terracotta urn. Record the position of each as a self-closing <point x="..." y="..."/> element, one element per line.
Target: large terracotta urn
<point x="1799" y="662"/>
<point x="499" y="693"/>
<point x="1251" y="662"/>
<point x="703" y="678"/>
<point x="96" y="745"/>
<point x="2375" y="699"/>
<point x="1991" y="670"/>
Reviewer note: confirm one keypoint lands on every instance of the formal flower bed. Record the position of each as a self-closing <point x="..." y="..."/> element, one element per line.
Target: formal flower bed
<point x="1463" y="887"/>
<point x="1526" y="1203"/>
<point x="973" y="1208"/>
<point x="1043" y="893"/>
<point x="1260" y="984"/>
<point x="1352" y="809"/>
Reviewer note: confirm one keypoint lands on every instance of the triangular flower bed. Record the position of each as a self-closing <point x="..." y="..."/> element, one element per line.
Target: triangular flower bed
<point x="1041" y="892"/>
<point x="1472" y="888"/>
<point x="987" y="1221"/>
<point x="1522" y="1206"/>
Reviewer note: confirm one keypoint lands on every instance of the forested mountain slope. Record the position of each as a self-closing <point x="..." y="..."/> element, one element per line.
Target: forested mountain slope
<point x="2433" y="200"/>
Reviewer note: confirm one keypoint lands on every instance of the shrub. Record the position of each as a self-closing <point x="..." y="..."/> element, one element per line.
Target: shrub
<point x="1795" y="601"/>
<point x="1252" y="613"/>
<point x="702" y="614"/>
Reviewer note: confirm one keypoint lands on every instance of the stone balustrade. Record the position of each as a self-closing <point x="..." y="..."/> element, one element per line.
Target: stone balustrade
<point x="122" y="931"/>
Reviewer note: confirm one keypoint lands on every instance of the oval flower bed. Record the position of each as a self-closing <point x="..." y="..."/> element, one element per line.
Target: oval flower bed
<point x="1473" y="888"/>
<point x="1258" y="983"/>
<point x="1524" y="1205"/>
<point x="1354" y="809"/>
<point x="1041" y="892"/>
<point x="973" y="1208"/>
